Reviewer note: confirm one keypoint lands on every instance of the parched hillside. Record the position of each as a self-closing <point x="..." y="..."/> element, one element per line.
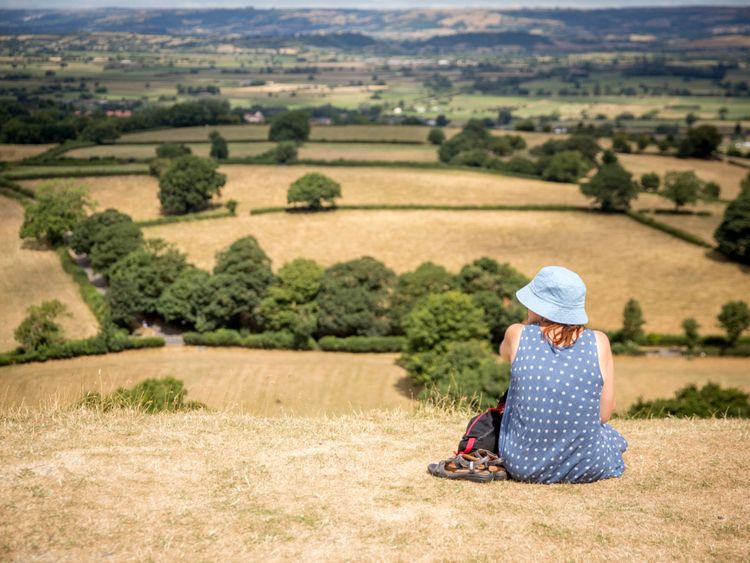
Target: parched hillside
<point x="86" y="486"/>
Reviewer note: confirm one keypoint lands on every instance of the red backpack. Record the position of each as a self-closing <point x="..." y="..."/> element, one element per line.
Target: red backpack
<point x="483" y="430"/>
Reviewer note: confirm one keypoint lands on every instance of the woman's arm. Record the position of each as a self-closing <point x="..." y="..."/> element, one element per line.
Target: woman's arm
<point x="509" y="345"/>
<point x="607" y="365"/>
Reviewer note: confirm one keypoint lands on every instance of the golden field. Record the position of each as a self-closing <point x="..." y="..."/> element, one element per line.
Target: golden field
<point x="283" y="382"/>
<point x="149" y="151"/>
<point x="32" y="275"/>
<point x="88" y="486"/>
<point x="618" y="258"/>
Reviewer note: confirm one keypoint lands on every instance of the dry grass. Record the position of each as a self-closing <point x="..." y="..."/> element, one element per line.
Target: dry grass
<point x="276" y="383"/>
<point x="86" y="486"/>
<point x="31" y="276"/>
<point x="138" y="196"/>
<point x="263" y="382"/>
<point x="149" y="151"/>
<point x="258" y="186"/>
<point x="726" y="175"/>
<point x="19" y="152"/>
<point x="369" y="151"/>
<point x="617" y="257"/>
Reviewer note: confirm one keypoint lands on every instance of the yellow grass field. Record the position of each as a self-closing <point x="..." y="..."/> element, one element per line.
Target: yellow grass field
<point x="31" y="276"/>
<point x="138" y="196"/>
<point x="726" y="175"/>
<point x="312" y="150"/>
<point x="281" y="382"/>
<point x="83" y="485"/>
<point x="617" y="257"/>
<point x="19" y="152"/>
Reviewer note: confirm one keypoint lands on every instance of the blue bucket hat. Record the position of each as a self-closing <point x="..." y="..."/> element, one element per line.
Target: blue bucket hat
<point x="557" y="294"/>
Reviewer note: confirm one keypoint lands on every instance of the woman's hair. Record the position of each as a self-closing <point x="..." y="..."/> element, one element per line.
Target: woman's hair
<point x="559" y="334"/>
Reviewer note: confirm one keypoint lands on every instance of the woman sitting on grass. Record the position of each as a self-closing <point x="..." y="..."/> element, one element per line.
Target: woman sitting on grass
<point x="561" y="390"/>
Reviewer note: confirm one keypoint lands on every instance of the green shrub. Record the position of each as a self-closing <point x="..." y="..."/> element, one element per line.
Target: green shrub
<point x="707" y="402"/>
<point x="151" y="396"/>
<point x="628" y="348"/>
<point x="267" y="340"/>
<point x="363" y="344"/>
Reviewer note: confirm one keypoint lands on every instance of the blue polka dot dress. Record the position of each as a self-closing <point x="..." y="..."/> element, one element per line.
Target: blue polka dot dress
<point x="551" y="430"/>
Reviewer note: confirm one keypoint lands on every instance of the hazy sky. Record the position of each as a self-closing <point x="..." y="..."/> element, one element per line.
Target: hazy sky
<point x="360" y="4"/>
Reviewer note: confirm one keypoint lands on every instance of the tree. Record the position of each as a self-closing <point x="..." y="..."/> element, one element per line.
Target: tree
<point x="700" y="142"/>
<point x="219" y="148"/>
<point x="565" y="166"/>
<point x="114" y="242"/>
<point x="690" y="118"/>
<point x="137" y="281"/>
<point x="354" y="298"/>
<point x="612" y="187"/>
<point x="733" y="234"/>
<point x="172" y="150"/>
<point x="621" y="143"/>
<point x="188" y="184"/>
<point x="410" y="287"/>
<point x="442" y="318"/>
<point x="473" y="136"/>
<point x="710" y="190"/>
<point x="290" y="302"/>
<point x="312" y="189"/>
<point x="184" y="300"/>
<point x="681" y="187"/>
<point x="290" y="126"/>
<point x="39" y="329"/>
<point x="650" y="181"/>
<point x="86" y="233"/>
<point x="436" y="136"/>
<point x="734" y="318"/>
<point x="525" y="125"/>
<point x="692" y="338"/>
<point x="57" y="209"/>
<point x="632" y="321"/>
<point x="241" y="278"/>
<point x="285" y="152"/>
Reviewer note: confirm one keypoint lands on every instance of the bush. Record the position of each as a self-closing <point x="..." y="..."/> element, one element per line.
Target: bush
<point x="463" y="372"/>
<point x="363" y="344"/>
<point x="39" y="329"/>
<point x="525" y="125"/>
<point x="266" y="340"/>
<point x="57" y="209"/>
<point x="172" y="150"/>
<point x="521" y="165"/>
<point x="188" y="184"/>
<point x="627" y="348"/>
<point x="436" y="136"/>
<point x="565" y="166"/>
<point x="710" y="401"/>
<point x="734" y="318"/>
<point x="285" y="152"/>
<point x="152" y="395"/>
<point x="733" y="234"/>
<point x="219" y="147"/>
<point x="650" y="181"/>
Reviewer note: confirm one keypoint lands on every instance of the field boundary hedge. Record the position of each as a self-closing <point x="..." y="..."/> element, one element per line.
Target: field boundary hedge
<point x="187" y="218"/>
<point x="424" y="207"/>
<point x="94" y="346"/>
<point x="670" y="230"/>
<point x="15" y="191"/>
<point x="88" y="291"/>
<point x="231" y="338"/>
<point x="363" y="344"/>
<point x="19" y="174"/>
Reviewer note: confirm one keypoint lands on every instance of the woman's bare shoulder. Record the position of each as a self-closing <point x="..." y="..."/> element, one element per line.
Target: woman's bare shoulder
<point x="601" y="339"/>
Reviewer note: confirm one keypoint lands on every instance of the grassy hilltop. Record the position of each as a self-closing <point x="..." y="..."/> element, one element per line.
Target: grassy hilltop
<point x="82" y="485"/>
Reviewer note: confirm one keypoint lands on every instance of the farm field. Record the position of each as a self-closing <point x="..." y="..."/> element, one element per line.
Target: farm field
<point x="608" y="252"/>
<point x="263" y="382"/>
<point x="312" y="150"/>
<point x="703" y="226"/>
<point x="31" y="276"/>
<point x="728" y="176"/>
<point x="281" y="382"/>
<point x="10" y="153"/>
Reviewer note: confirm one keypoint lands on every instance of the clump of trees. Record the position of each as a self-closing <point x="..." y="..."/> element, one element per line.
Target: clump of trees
<point x="219" y="147"/>
<point x="707" y="402"/>
<point x="106" y="237"/>
<point x="56" y="209"/>
<point x="313" y="189"/>
<point x="612" y="187"/>
<point x="476" y="146"/>
<point x="700" y="142"/>
<point x="188" y="183"/>
<point x="172" y="150"/>
<point x="290" y="126"/>
<point x="733" y="234"/>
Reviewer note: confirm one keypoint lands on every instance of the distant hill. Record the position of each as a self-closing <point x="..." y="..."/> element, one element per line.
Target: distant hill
<point x="432" y="28"/>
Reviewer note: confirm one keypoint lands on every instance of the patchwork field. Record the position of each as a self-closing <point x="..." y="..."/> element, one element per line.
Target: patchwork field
<point x="672" y="279"/>
<point x="273" y="383"/>
<point x="728" y="176"/>
<point x="31" y="276"/>
<point x="142" y="151"/>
